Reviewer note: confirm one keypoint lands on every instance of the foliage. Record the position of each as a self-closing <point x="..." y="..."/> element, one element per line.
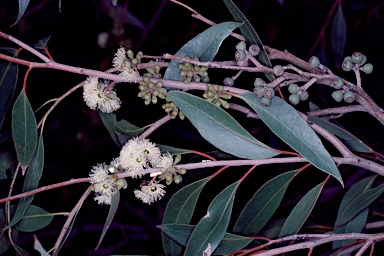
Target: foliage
<point x="253" y="193"/>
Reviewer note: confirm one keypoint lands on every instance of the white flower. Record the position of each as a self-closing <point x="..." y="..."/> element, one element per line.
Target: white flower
<point x="96" y="97"/>
<point x="133" y="158"/>
<point x="129" y="75"/>
<point x="120" y="57"/>
<point x="151" y="152"/>
<point x="98" y="173"/>
<point x="150" y="193"/>
<point x="103" y="199"/>
<point x="165" y="161"/>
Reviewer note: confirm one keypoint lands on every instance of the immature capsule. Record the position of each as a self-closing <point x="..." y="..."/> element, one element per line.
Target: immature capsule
<point x="357" y="57"/>
<point x="241" y="46"/>
<point x="304" y="96"/>
<point x="259" y="91"/>
<point x="269" y="92"/>
<point x="347" y="65"/>
<point x="293" y="88"/>
<point x="240" y="55"/>
<point x="338" y="95"/>
<point x="367" y="68"/>
<point x="265" y="102"/>
<point x="228" y="81"/>
<point x="314" y="62"/>
<point x="339" y="83"/>
<point x="258" y="82"/>
<point x="349" y="97"/>
<point x="254" y="50"/>
<point x="294" y="99"/>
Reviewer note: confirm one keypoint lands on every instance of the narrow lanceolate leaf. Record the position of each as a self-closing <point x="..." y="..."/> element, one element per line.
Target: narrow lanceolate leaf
<point x="172" y="150"/>
<point x="115" y="127"/>
<point x="250" y="35"/>
<point x="42" y="43"/>
<point x="210" y="230"/>
<point x="9" y="72"/>
<point x="359" y="203"/>
<point x="24" y="129"/>
<point x="31" y="182"/>
<point x="38" y="247"/>
<point x="339" y="35"/>
<point x="112" y="210"/>
<point x="263" y="204"/>
<point x="205" y="46"/>
<point x="219" y="128"/>
<point x="23" y="4"/>
<point x="288" y="125"/>
<point x="350" y="140"/>
<point x="300" y="212"/>
<point x="34" y="219"/>
<point x="179" y="210"/>
<point x="181" y="233"/>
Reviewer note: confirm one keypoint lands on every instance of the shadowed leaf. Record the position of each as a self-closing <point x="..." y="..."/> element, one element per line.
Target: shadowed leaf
<point x="34" y="219"/>
<point x="339" y="35"/>
<point x="23" y="4"/>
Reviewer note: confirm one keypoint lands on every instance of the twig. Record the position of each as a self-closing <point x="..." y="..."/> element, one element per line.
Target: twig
<point x="154" y="126"/>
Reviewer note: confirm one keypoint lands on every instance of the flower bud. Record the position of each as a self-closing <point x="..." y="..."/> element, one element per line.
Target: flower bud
<point x="314" y="62"/>
<point x="294" y="99"/>
<point x="254" y="49"/>
<point x="293" y="88"/>
<point x="349" y="97"/>
<point x="240" y="55"/>
<point x="241" y="46"/>
<point x="338" y="95"/>
<point x="367" y="68"/>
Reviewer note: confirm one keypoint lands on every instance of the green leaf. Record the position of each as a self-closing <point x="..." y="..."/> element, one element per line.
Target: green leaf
<point x="23" y="4"/>
<point x="339" y="35"/>
<point x="172" y="150"/>
<point x="8" y="80"/>
<point x="250" y="35"/>
<point x="179" y="210"/>
<point x="115" y="127"/>
<point x="38" y="247"/>
<point x="181" y="233"/>
<point x="31" y="182"/>
<point x="350" y="140"/>
<point x="357" y="223"/>
<point x="263" y="204"/>
<point x="219" y="128"/>
<point x="34" y="219"/>
<point x="8" y="160"/>
<point x="205" y="46"/>
<point x="210" y="230"/>
<point x="288" y="125"/>
<point x="24" y="129"/>
<point x="111" y="214"/>
<point x="42" y="43"/>
<point x="313" y="106"/>
<point x="20" y="251"/>
<point x="300" y="212"/>
<point x="358" y="204"/>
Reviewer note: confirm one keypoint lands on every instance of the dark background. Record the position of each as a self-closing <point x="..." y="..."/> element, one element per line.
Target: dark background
<point x="75" y="138"/>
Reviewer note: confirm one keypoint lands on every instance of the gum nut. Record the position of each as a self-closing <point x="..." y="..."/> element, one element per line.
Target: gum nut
<point x="228" y="81"/>
<point x="254" y="49"/>
<point x="293" y="88"/>
<point x="357" y="57"/>
<point x="258" y="82"/>
<point x="338" y="95"/>
<point x="304" y="96"/>
<point x="240" y="55"/>
<point x="367" y="68"/>
<point x="349" y="97"/>
<point x="259" y="91"/>
<point x="347" y="65"/>
<point x="265" y="102"/>
<point x="294" y="99"/>
<point x="269" y="92"/>
<point x="241" y="46"/>
<point x="314" y="62"/>
<point x="339" y="83"/>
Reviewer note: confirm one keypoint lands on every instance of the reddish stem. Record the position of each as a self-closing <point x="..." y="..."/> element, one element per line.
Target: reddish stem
<point x="203" y="154"/>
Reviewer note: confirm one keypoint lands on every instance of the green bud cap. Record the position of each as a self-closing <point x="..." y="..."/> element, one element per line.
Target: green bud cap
<point x="259" y="91"/>
<point x="241" y="46"/>
<point x="339" y="83"/>
<point x="269" y="92"/>
<point x="265" y="102"/>
<point x="338" y="95"/>
<point x="177" y="178"/>
<point x="240" y="55"/>
<point x="130" y="54"/>
<point x="254" y="49"/>
<point x="347" y="65"/>
<point x="182" y="171"/>
<point x="357" y="57"/>
<point x="228" y="81"/>
<point x="121" y="184"/>
<point x="258" y="82"/>
<point x="349" y="97"/>
<point x="177" y="159"/>
<point x="294" y="99"/>
<point x="293" y="88"/>
<point x="367" y="68"/>
<point x="314" y="62"/>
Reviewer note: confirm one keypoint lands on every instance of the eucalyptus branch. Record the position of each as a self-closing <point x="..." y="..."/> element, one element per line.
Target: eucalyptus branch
<point x="154" y="126"/>
<point x="337" y="111"/>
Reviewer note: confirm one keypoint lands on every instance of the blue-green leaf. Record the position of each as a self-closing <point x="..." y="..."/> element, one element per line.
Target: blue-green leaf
<point x="34" y="219"/>
<point x="20" y="251"/>
<point x="358" y="204"/>
<point x="8" y="160"/>
<point x="263" y="204"/>
<point x="9" y="72"/>
<point x="219" y="128"/>
<point x="339" y="35"/>
<point x="38" y="247"/>
<point x="42" y="43"/>
<point x="24" y="129"/>
<point x="205" y="46"/>
<point x="210" y="230"/>
<point x="288" y="125"/>
<point x="179" y="210"/>
<point x="350" y="140"/>
<point x="181" y="233"/>
<point x="300" y="212"/>
<point x="31" y="182"/>
<point x="114" y="2"/>
<point x="23" y="4"/>
<point x="115" y="127"/>
<point x="111" y="214"/>
<point x="250" y="35"/>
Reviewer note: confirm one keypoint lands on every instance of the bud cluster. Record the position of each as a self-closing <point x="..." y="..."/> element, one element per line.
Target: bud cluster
<point x="172" y="174"/>
<point x="193" y="73"/>
<point x="153" y="72"/>
<point x="297" y="94"/>
<point x="150" y="92"/>
<point x="171" y="108"/>
<point x="266" y="93"/>
<point x="216" y="95"/>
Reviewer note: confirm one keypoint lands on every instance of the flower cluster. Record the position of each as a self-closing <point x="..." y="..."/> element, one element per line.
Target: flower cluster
<point x="103" y="185"/>
<point x="124" y="62"/>
<point x="96" y="96"/>
<point x="150" y="192"/>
